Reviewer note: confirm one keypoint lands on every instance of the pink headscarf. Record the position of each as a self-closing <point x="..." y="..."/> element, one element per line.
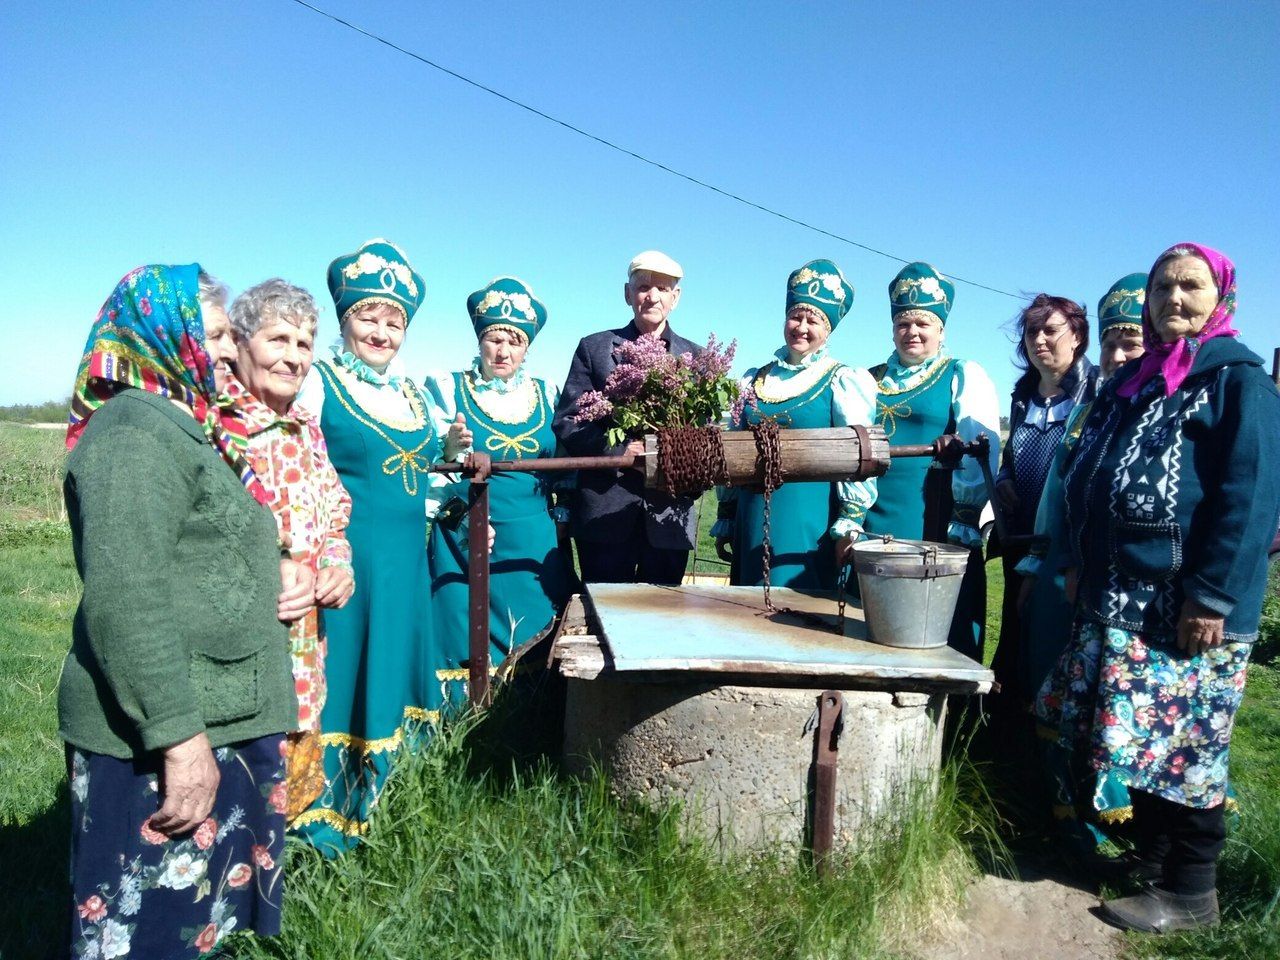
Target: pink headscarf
<point x="1174" y="360"/>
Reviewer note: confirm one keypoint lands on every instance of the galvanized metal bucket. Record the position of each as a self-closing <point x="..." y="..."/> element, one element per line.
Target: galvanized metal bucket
<point x="909" y="590"/>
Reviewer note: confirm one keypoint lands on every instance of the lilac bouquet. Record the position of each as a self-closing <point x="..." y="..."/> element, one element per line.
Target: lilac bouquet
<point x="651" y="390"/>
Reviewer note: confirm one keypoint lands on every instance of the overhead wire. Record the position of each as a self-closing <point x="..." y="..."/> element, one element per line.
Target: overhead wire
<point x="728" y="194"/>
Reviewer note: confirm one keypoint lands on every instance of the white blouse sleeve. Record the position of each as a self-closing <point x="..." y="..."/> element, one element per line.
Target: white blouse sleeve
<point x="854" y="395"/>
<point x="437" y="388"/>
<point x="311" y="395"/>
<point x="562" y="485"/>
<point x="977" y="411"/>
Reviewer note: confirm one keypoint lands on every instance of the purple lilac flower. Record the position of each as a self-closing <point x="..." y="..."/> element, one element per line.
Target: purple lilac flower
<point x="746" y="398"/>
<point x="714" y="361"/>
<point x="670" y="374"/>
<point x="592" y="405"/>
<point x="644" y="352"/>
<point x="624" y="382"/>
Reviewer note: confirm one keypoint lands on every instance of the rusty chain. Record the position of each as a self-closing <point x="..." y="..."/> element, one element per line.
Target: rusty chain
<point x="769" y="463"/>
<point x="691" y="460"/>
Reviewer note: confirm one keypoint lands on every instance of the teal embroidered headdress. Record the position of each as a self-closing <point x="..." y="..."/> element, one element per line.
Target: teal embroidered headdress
<point x="509" y="304"/>
<point x="918" y="286"/>
<point x="380" y="272"/>
<point x="1122" y="306"/>
<point x="820" y="284"/>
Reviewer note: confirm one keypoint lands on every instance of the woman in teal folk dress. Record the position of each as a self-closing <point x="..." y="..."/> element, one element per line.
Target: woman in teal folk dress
<point x="812" y="524"/>
<point x="384" y="657"/>
<point x="922" y="393"/>
<point x="509" y="417"/>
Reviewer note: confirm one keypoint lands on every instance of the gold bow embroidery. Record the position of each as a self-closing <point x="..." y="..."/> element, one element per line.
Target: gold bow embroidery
<point x="408" y="463"/>
<point x="504" y="446"/>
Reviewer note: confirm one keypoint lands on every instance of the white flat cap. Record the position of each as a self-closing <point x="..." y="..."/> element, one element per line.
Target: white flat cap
<point x="655" y="261"/>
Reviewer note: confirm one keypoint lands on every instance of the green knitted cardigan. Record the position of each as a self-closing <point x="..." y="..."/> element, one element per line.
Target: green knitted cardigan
<point x="176" y="632"/>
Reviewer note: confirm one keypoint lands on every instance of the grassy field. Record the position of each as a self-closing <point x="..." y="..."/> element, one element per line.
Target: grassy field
<point x="478" y="852"/>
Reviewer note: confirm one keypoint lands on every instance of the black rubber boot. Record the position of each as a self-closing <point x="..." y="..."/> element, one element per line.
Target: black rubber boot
<point x="1134" y="868"/>
<point x="1156" y="910"/>
<point x="1146" y="864"/>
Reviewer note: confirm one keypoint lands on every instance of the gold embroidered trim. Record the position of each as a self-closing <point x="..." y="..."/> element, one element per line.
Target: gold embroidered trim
<point x="888" y="414"/>
<point x="1139" y="296"/>
<point x="407" y="463"/>
<point x="908" y="287"/>
<point x="462" y="673"/>
<point x="365" y="301"/>
<point x="351" y="828"/>
<point x="823" y="287"/>
<point x="508" y="328"/>
<point x="507" y="304"/>
<point x="1118" y="815"/>
<point x="798" y="385"/>
<point x="407" y="391"/>
<point x="501" y="444"/>
<point x="380" y="744"/>
<point x="944" y="364"/>
<point x="530" y="386"/>
<point x="369" y="263"/>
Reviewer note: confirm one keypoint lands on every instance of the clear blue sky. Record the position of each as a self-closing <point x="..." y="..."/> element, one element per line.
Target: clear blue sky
<point x="1026" y="146"/>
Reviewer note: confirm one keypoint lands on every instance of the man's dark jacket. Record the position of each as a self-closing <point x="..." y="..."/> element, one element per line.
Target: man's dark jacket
<point x="611" y="502"/>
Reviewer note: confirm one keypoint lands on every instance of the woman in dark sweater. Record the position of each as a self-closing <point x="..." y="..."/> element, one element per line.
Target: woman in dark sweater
<point x="1053" y="335"/>
<point x="177" y="691"/>
<point x="1171" y="502"/>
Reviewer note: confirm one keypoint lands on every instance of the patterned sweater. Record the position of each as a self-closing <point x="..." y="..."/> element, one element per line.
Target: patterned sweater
<point x="1176" y="497"/>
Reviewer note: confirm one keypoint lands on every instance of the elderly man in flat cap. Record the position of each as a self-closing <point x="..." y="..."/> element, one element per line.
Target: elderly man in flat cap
<point x="625" y="533"/>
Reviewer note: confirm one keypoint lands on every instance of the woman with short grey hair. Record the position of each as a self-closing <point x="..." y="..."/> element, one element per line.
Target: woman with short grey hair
<point x="274" y="324"/>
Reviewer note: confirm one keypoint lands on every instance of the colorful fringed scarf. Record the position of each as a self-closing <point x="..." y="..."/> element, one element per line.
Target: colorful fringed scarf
<point x="149" y="335"/>
<point x="1174" y="360"/>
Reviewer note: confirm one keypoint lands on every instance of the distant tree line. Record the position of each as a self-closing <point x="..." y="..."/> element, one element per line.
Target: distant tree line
<point x="53" y="411"/>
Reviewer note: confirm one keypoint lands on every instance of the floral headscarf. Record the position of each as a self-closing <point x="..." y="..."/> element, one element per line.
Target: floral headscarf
<point x="149" y="335"/>
<point x="1174" y="360"/>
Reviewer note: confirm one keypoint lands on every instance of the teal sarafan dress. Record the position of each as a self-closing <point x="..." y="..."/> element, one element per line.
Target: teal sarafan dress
<point x="384" y="660"/>
<point x="915" y="405"/>
<point x="529" y="577"/>
<point x="805" y="517"/>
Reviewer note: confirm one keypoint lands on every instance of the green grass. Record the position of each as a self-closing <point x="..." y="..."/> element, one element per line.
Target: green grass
<point x="706" y="559"/>
<point x="30" y="475"/>
<point x="38" y="595"/>
<point x="476" y="853"/>
<point x="517" y="862"/>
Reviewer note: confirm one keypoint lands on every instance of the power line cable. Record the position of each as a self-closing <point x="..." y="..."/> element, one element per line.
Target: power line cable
<point x="631" y="153"/>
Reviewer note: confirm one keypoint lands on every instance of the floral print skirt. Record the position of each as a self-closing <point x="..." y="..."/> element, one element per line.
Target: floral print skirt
<point x="1147" y="716"/>
<point x="138" y="893"/>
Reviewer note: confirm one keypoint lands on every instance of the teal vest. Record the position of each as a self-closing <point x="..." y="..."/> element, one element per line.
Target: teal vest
<point x="803" y="554"/>
<point x="528" y="572"/>
<point x="918" y="415"/>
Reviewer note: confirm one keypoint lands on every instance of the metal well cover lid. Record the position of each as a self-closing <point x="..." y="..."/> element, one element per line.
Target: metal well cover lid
<point x="716" y="629"/>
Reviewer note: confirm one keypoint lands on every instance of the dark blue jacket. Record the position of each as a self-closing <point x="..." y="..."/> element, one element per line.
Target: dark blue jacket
<point x="611" y="503"/>
<point x="1176" y="497"/>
